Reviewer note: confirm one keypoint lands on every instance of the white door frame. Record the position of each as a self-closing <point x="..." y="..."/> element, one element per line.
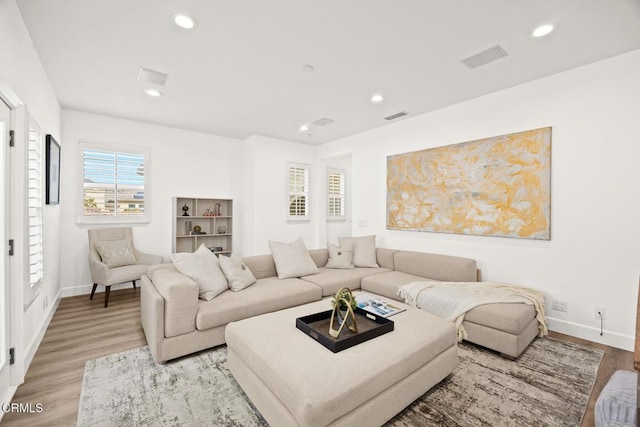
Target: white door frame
<point x="18" y="115"/>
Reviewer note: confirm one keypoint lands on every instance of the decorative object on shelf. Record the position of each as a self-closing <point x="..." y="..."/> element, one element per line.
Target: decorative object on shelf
<point x="185" y="209"/>
<point x="209" y="212"/>
<point x="218" y="210"/>
<point x="216" y="249"/>
<point x="222" y="229"/>
<point x="197" y="230"/>
<point x="343" y="303"/>
<point x="187" y="227"/>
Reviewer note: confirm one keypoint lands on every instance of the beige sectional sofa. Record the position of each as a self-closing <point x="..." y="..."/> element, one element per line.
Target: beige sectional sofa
<point x="177" y="323"/>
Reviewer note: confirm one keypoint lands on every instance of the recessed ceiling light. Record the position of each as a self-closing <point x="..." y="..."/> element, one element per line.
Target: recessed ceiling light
<point x="306" y="68"/>
<point x="304" y="128"/>
<point x="153" y="92"/>
<point x="542" y="30"/>
<point x="377" y="98"/>
<point x="184" y="21"/>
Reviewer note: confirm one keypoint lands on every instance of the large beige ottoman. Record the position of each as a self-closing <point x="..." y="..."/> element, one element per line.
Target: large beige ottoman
<point x="294" y="380"/>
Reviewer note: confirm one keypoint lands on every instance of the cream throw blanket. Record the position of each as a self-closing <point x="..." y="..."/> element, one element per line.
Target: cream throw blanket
<point x="452" y="300"/>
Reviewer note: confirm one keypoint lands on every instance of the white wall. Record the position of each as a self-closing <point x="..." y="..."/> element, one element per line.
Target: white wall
<point x="265" y="184"/>
<point x="593" y="258"/>
<point x="22" y="71"/>
<point x="183" y="163"/>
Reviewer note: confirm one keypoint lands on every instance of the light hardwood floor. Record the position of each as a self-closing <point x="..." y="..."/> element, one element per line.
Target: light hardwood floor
<point x="82" y="330"/>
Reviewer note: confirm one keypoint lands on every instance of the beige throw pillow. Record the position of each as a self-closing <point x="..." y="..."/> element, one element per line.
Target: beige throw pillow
<point x="237" y="273"/>
<point x="202" y="266"/>
<point x="364" y="250"/>
<point x="339" y="258"/>
<point x="116" y="253"/>
<point x="292" y="259"/>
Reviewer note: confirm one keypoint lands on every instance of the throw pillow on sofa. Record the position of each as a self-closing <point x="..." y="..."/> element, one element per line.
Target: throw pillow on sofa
<point x="364" y="250"/>
<point x="339" y="258"/>
<point x="116" y="253"/>
<point x="238" y="274"/>
<point x="292" y="259"/>
<point x="202" y="266"/>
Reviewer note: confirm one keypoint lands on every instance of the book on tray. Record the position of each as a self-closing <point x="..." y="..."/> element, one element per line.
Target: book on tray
<point x="376" y="305"/>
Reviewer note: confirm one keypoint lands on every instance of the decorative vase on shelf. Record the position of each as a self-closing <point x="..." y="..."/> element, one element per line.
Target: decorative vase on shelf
<point x="222" y="229"/>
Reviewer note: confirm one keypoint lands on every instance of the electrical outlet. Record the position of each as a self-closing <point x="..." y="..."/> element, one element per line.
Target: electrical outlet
<point x="363" y="223"/>
<point x="560" y="305"/>
<point x="598" y="312"/>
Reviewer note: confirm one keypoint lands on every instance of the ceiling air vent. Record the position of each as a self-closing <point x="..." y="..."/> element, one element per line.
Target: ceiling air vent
<point x="396" y="115"/>
<point x="151" y="76"/>
<point x="482" y="58"/>
<point x="323" y="122"/>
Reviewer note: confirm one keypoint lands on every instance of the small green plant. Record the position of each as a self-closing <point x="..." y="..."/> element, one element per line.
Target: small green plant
<point x="344" y="294"/>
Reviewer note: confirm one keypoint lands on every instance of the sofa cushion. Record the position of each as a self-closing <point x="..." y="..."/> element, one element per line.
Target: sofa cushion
<point x="202" y="267"/>
<point x="331" y="280"/>
<point x="237" y="273"/>
<point x="292" y="259"/>
<point x="266" y="295"/>
<point x="319" y="256"/>
<point x="507" y="317"/>
<point x="339" y="258"/>
<point x="387" y="284"/>
<point x="385" y="257"/>
<point x="434" y="266"/>
<point x="261" y="266"/>
<point x="364" y="250"/>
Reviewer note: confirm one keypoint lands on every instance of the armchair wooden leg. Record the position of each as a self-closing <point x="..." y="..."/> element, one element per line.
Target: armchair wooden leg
<point x="106" y="295"/>
<point x="134" y="284"/>
<point x="93" y="291"/>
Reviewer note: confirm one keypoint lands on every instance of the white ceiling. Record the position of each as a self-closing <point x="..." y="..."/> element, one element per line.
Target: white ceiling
<point x="238" y="72"/>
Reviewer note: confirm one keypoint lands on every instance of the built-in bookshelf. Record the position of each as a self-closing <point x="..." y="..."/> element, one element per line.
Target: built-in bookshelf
<point x="199" y="220"/>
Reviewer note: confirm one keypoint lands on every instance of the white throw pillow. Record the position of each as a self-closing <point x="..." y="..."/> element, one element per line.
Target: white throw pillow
<point x="116" y="253"/>
<point x="292" y="259"/>
<point x="237" y="273"/>
<point x="364" y="250"/>
<point x="202" y="266"/>
<point x="339" y="258"/>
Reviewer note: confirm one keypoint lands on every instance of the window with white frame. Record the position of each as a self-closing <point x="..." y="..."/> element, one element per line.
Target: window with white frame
<point x="35" y="207"/>
<point x="113" y="184"/>
<point x="298" y="209"/>
<point x="336" y="194"/>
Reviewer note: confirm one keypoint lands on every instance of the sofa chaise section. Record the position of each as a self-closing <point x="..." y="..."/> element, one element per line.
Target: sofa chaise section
<point x="506" y="328"/>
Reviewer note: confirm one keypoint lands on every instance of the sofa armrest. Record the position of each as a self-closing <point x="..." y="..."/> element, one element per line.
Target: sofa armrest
<point x="147" y="259"/>
<point x="152" y="317"/>
<point x="180" y="295"/>
<point x="99" y="272"/>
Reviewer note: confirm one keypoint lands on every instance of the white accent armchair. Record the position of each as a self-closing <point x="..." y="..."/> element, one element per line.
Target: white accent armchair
<point x="104" y="275"/>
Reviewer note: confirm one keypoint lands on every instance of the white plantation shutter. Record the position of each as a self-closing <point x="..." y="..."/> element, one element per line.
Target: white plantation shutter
<point x="336" y="194"/>
<point x="298" y="192"/>
<point x="35" y="209"/>
<point x="113" y="184"/>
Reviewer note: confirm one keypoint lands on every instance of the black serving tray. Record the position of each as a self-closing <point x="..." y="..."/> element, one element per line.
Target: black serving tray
<point x="369" y="326"/>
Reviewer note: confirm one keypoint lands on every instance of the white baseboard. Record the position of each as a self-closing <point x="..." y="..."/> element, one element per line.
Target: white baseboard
<point x="37" y="339"/>
<point x="86" y="289"/>
<point x="8" y="396"/>
<point x="610" y="338"/>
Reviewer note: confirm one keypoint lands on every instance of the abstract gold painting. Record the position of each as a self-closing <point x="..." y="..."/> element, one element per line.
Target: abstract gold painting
<point x="498" y="186"/>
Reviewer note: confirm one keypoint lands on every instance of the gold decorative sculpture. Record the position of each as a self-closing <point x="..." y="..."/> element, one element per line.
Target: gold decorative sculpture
<point x="343" y="302"/>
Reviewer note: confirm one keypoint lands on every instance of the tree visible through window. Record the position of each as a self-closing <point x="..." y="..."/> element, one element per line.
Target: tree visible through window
<point x="113" y="183"/>
<point x="336" y="194"/>
<point x="298" y="192"/>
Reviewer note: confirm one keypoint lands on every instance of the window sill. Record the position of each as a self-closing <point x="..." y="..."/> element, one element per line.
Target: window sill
<point x="119" y="221"/>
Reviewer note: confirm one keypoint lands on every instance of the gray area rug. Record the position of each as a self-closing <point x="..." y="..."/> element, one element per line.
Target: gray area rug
<point x="549" y="385"/>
